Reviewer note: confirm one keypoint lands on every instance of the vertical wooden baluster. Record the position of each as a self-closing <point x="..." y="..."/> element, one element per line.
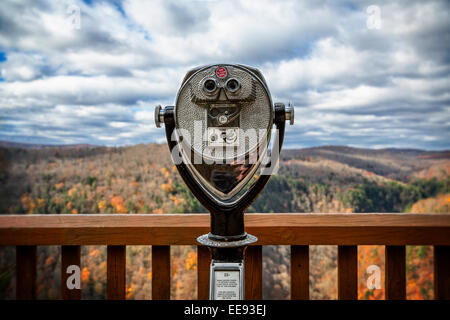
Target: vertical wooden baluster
<point x="253" y="273"/>
<point x="116" y="273"/>
<point x="347" y="272"/>
<point x="70" y="255"/>
<point x="26" y="272"/>
<point x="395" y="277"/>
<point x="442" y="272"/>
<point x="161" y="272"/>
<point x="203" y="265"/>
<point x="299" y="272"/>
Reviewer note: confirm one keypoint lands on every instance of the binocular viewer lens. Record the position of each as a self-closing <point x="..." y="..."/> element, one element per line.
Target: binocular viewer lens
<point x="210" y="86"/>
<point x="232" y="85"/>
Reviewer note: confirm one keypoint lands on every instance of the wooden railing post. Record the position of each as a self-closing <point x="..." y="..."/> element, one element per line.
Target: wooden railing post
<point x="203" y="265"/>
<point x="299" y="272"/>
<point x="395" y="277"/>
<point x="161" y="272"/>
<point x="70" y="256"/>
<point x="26" y="272"/>
<point x="116" y="272"/>
<point x="347" y="272"/>
<point x="253" y="273"/>
<point x="442" y="272"/>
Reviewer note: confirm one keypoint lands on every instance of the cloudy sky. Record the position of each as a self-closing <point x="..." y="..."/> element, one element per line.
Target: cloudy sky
<point x="366" y="74"/>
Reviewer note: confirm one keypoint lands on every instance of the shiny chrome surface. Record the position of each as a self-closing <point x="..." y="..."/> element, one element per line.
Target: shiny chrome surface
<point x="209" y="107"/>
<point x="159" y="116"/>
<point x="290" y="113"/>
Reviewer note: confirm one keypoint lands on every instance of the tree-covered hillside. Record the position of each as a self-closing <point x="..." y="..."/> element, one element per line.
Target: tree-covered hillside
<point x="142" y="179"/>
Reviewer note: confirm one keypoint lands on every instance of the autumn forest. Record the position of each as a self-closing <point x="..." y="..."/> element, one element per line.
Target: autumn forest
<point x="84" y="179"/>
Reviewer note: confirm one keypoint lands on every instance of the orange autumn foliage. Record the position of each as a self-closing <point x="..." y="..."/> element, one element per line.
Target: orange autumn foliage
<point x="40" y="203"/>
<point x="94" y="253"/>
<point x="419" y="272"/>
<point x="191" y="261"/>
<point x="59" y="186"/>
<point x="117" y="202"/>
<point x="167" y="187"/>
<point x="439" y="204"/>
<point x="130" y="291"/>
<point x="72" y="191"/>
<point x="50" y="260"/>
<point x="165" y="172"/>
<point x="85" y="273"/>
<point x="102" y="205"/>
<point x="134" y="184"/>
<point x="28" y="203"/>
<point x="175" y="200"/>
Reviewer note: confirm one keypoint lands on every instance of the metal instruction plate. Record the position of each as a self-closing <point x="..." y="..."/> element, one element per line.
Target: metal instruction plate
<point x="227" y="281"/>
<point x="226" y="286"/>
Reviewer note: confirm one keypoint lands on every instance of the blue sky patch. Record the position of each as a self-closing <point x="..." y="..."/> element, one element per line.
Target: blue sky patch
<point x="2" y="56"/>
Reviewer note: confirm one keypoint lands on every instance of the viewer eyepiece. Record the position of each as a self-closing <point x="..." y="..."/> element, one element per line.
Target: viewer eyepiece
<point x="232" y="85"/>
<point x="209" y="86"/>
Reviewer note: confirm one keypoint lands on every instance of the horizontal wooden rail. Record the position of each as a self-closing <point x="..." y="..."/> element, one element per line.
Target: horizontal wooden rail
<point x="183" y="229"/>
<point x="298" y="230"/>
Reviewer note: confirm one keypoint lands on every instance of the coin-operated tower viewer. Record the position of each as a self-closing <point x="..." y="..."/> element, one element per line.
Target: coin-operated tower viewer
<point x="218" y="134"/>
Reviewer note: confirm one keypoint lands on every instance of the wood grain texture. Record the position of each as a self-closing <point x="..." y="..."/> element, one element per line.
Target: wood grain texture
<point x="161" y="272"/>
<point x="299" y="272"/>
<point x="116" y="273"/>
<point x="253" y="273"/>
<point x="183" y="229"/>
<point x="297" y="229"/>
<point x="395" y="276"/>
<point x="26" y="272"/>
<point x="70" y="255"/>
<point x="203" y="265"/>
<point x="442" y="272"/>
<point x="347" y="272"/>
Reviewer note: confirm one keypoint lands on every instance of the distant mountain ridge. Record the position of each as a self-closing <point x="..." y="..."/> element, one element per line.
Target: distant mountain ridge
<point x="319" y="162"/>
<point x="22" y="145"/>
<point x="333" y="148"/>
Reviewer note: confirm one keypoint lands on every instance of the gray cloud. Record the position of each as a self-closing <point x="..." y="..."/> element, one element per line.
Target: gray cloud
<point x="350" y="84"/>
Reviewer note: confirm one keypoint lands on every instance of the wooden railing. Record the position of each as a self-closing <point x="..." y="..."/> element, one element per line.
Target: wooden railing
<point x="394" y="230"/>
